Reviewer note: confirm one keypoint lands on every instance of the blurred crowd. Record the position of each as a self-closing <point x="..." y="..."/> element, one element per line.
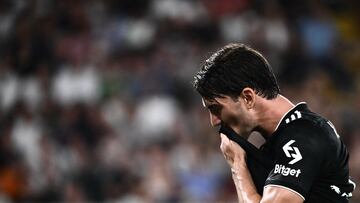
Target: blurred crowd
<point x="97" y="105"/>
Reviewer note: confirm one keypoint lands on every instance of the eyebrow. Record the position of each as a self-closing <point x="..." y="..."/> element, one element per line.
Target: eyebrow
<point x="210" y="106"/>
<point x="206" y="106"/>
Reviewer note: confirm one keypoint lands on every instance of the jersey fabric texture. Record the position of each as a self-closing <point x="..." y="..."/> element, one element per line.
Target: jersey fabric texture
<point x="309" y="157"/>
<point x="304" y="155"/>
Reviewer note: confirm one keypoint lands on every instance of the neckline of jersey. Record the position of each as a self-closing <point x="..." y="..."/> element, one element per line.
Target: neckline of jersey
<point x="288" y="112"/>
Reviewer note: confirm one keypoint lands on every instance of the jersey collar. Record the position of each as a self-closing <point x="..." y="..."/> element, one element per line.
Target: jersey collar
<point x="282" y="121"/>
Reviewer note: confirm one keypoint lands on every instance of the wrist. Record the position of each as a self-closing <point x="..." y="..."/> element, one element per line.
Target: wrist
<point x="238" y="168"/>
<point x="239" y="160"/>
<point x="244" y="185"/>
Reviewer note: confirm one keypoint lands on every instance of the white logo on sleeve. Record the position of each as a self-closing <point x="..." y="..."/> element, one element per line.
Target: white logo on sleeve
<point x="338" y="191"/>
<point x="294" y="116"/>
<point x="335" y="188"/>
<point x="286" y="171"/>
<point x="295" y="153"/>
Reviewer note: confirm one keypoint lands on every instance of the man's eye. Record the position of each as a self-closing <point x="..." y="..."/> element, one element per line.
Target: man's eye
<point x="214" y="109"/>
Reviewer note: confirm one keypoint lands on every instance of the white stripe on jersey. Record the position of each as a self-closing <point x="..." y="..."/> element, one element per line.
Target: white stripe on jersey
<point x="280" y="186"/>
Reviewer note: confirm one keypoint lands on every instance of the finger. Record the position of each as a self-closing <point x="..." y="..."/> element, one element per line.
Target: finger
<point x="224" y="138"/>
<point x="224" y="142"/>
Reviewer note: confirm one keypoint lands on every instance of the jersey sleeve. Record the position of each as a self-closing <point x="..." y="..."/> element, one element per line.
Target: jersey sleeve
<point x="298" y="158"/>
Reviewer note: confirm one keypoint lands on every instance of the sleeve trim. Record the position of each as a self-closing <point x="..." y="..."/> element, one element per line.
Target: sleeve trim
<point x="280" y="186"/>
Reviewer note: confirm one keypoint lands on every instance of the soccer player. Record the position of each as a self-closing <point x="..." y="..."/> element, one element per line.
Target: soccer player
<point x="309" y="160"/>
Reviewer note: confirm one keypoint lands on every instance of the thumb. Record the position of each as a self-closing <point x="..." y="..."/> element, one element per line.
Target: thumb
<point x="225" y="142"/>
<point x="224" y="138"/>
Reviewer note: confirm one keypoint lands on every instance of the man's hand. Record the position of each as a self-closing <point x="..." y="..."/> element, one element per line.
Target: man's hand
<point x="235" y="156"/>
<point x="232" y="152"/>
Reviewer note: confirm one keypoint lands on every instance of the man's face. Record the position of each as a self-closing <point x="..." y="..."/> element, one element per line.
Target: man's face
<point x="231" y="112"/>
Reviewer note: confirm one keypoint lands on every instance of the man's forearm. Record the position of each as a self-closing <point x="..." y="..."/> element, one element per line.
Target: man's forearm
<point x="244" y="184"/>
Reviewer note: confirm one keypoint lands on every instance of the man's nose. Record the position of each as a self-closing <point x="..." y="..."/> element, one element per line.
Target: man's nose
<point x="214" y="120"/>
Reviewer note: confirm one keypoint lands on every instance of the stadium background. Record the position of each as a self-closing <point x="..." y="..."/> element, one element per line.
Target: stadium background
<point x="96" y="98"/>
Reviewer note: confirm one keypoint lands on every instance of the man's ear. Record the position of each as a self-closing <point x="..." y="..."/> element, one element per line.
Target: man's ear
<point x="249" y="97"/>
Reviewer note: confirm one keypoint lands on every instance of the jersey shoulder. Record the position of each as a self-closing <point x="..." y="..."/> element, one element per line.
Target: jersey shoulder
<point x="305" y="124"/>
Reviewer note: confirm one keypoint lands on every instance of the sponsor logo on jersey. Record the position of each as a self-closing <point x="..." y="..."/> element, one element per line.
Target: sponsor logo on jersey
<point x="292" y="152"/>
<point x="286" y="171"/>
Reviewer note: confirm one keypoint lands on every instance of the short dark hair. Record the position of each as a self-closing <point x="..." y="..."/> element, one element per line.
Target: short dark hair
<point x="232" y="68"/>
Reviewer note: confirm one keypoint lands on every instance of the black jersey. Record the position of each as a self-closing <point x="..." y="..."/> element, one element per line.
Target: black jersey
<point x="304" y="155"/>
<point x="309" y="158"/>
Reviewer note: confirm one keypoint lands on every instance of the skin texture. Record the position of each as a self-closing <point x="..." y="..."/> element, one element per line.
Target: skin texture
<point x="247" y="113"/>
